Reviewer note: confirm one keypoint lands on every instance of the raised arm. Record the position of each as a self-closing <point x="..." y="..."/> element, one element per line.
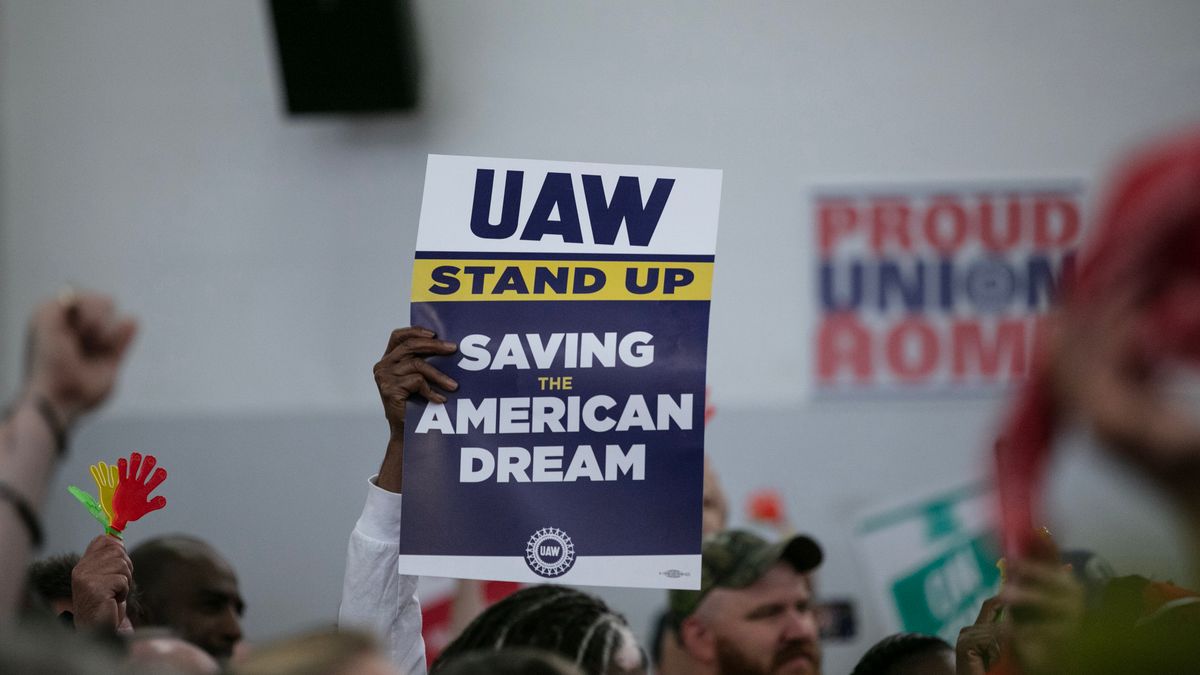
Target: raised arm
<point x="400" y="374"/>
<point x="374" y="596"/>
<point x="76" y="346"/>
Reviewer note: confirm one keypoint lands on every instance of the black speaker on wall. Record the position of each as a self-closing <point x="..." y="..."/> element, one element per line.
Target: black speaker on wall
<point x="346" y="55"/>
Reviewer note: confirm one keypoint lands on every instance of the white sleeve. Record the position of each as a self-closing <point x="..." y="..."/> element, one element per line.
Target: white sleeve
<point x="375" y="597"/>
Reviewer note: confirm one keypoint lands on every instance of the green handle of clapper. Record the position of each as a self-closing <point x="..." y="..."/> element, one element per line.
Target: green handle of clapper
<point x="89" y="502"/>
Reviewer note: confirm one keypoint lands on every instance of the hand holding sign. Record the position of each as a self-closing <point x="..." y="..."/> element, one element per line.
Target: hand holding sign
<point x="403" y="371"/>
<point x="131" y="499"/>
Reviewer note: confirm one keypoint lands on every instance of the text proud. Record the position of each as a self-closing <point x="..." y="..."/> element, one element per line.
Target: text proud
<point x="937" y="289"/>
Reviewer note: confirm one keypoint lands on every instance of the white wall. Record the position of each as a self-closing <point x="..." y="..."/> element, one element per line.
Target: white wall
<point x="143" y="151"/>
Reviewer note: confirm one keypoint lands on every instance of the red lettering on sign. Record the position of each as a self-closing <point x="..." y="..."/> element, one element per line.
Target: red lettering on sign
<point x="1004" y="235"/>
<point x="843" y="343"/>
<point x="836" y="218"/>
<point x="1055" y="221"/>
<point x="912" y="350"/>
<point x="946" y="224"/>
<point x="889" y="222"/>
<point x="975" y="356"/>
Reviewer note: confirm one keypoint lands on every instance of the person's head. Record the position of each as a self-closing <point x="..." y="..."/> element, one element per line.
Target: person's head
<point x="754" y="611"/>
<point x="907" y="654"/>
<point x="715" y="508"/>
<point x="50" y="580"/>
<point x="50" y="583"/>
<point x="187" y="586"/>
<point x="522" y="661"/>
<point x="327" y="652"/>
<point x="157" y="650"/>
<point x="567" y="622"/>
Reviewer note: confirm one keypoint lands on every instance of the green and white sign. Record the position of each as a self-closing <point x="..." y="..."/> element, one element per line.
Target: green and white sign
<point x="932" y="560"/>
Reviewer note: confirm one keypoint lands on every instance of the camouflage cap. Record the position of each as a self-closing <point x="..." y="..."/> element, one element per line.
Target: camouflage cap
<point x="738" y="558"/>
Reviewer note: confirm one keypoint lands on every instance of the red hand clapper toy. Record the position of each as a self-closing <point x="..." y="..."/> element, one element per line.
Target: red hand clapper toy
<point x="131" y="498"/>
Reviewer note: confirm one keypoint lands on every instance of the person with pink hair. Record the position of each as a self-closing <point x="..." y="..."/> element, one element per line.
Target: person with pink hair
<point x="1126" y="326"/>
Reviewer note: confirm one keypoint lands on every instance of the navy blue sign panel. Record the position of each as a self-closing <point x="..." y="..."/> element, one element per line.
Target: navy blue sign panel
<point x="624" y="516"/>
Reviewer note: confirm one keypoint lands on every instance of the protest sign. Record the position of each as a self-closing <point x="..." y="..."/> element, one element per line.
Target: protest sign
<point x="572" y="450"/>
<point x="937" y="289"/>
<point x="931" y="560"/>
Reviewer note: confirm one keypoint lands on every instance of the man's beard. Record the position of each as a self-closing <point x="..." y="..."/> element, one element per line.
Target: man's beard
<point x="732" y="661"/>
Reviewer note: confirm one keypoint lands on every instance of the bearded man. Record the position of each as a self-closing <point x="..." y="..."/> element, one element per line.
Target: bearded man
<point x="754" y="613"/>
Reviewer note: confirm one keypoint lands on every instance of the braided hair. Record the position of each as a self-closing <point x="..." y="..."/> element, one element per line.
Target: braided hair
<point x="893" y="649"/>
<point x="514" y="661"/>
<point x="567" y="622"/>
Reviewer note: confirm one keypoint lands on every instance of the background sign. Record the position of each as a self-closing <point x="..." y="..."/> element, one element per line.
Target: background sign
<point x="940" y="288"/>
<point x="573" y="449"/>
<point x="932" y="561"/>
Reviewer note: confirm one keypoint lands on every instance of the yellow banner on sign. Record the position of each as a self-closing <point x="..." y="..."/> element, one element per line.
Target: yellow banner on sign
<point x="470" y="280"/>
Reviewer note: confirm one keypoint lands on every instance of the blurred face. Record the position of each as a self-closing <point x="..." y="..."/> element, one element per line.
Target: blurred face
<point x="716" y="510"/>
<point x="203" y="605"/>
<point x="767" y="628"/>
<point x="171" y="654"/>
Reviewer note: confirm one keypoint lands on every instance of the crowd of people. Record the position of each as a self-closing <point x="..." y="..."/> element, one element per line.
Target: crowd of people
<point x="172" y="604"/>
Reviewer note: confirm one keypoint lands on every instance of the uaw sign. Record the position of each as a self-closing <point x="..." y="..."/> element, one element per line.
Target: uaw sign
<point x="927" y="289"/>
<point x="573" y="449"/>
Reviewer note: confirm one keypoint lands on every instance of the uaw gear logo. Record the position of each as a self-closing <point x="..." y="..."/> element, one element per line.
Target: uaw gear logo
<point x="550" y="552"/>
